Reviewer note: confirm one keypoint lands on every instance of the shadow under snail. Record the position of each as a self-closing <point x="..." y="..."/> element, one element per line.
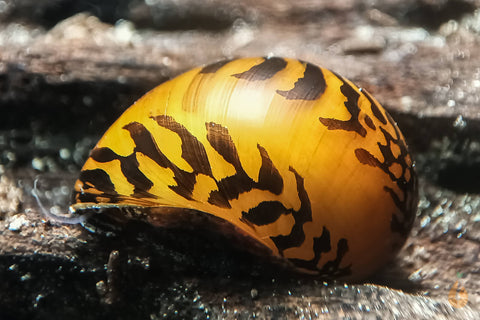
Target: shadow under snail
<point x="292" y="157"/>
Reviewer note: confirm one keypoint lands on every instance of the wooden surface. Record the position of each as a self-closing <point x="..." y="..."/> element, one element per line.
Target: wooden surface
<point x="68" y="69"/>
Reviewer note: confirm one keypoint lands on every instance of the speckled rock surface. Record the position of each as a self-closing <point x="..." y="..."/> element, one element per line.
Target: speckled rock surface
<point x="69" y="68"/>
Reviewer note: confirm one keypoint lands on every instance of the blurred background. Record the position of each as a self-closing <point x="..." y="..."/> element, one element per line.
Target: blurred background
<point x="69" y="68"/>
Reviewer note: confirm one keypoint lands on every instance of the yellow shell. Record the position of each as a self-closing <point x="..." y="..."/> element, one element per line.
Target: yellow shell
<point x="289" y="155"/>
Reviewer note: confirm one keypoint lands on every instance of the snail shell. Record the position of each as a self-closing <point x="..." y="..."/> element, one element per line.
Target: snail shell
<point x="293" y="157"/>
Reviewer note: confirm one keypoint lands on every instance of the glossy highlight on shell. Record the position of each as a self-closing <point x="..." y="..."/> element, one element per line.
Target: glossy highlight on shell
<point x="293" y="157"/>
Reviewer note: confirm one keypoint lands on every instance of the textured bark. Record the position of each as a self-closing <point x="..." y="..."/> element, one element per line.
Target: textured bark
<point x="66" y="75"/>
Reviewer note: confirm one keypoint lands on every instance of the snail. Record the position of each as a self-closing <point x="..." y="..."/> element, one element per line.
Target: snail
<point x="291" y="157"/>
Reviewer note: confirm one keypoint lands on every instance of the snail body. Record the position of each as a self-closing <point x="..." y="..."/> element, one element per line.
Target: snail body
<point x="309" y="168"/>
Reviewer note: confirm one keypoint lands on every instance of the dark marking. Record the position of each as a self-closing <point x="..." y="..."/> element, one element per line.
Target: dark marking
<point x="269" y="178"/>
<point x="99" y="180"/>
<point x="130" y="170"/>
<point x="192" y="150"/>
<point x="217" y="198"/>
<point x="394" y="196"/>
<point x="194" y="153"/>
<point x="303" y="215"/>
<point x="128" y="166"/>
<point x="222" y="142"/>
<point x="310" y="87"/>
<point x="103" y="155"/>
<point x="265" y="213"/>
<point x="320" y="245"/>
<point x="81" y="197"/>
<point x="366" y="157"/>
<point x="332" y="268"/>
<point x="375" y="110"/>
<point x="263" y="71"/>
<point x="214" y="67"/>
<point x="229" y="187"/>
<point x="146" y="145"/>
<point x="139" y="193"/>
<point x="370" y="123"/>
<point x="351" y="104"/>
<point x="406" y="203"/>
<point x="409" y="188"/>
<point x="402" y="223"/>
<point x="232" y="186"/>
